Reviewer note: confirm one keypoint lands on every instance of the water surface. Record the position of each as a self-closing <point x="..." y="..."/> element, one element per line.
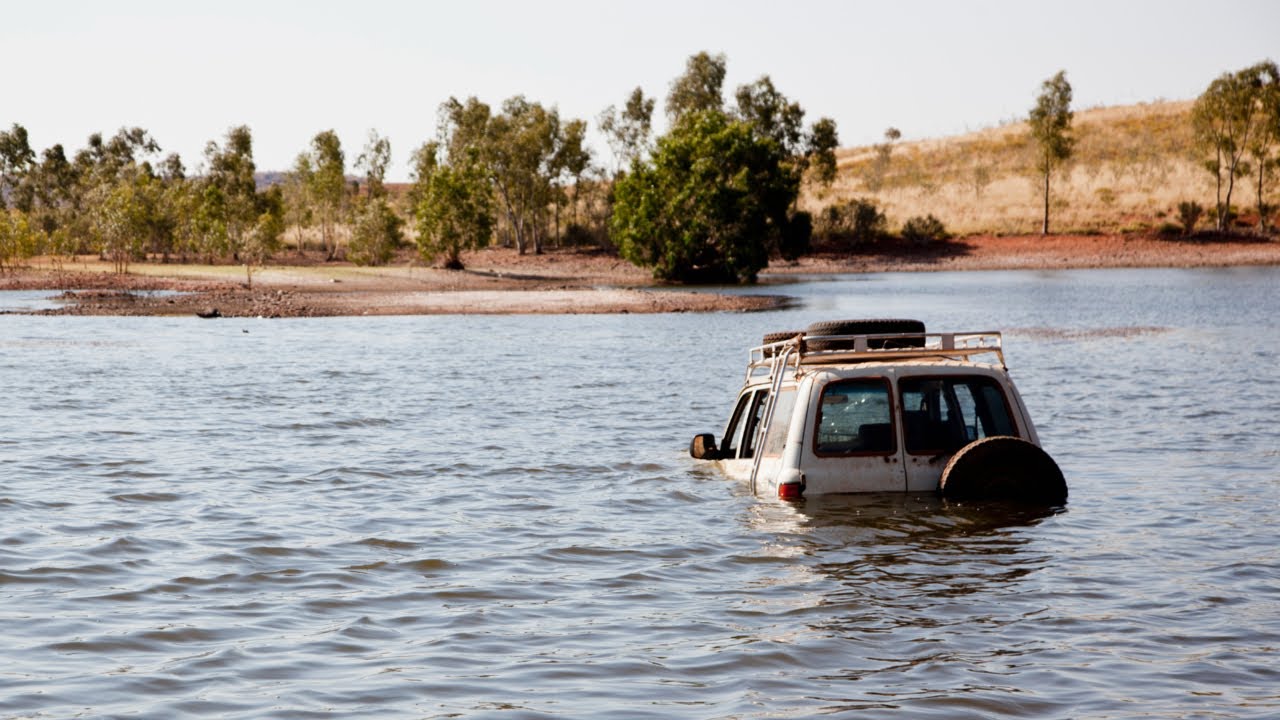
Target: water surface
<point x="428" y="517"/>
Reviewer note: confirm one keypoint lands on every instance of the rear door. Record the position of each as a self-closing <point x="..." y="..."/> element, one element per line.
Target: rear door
<point x="852" y="446"/>
<point x="941" y="414"/>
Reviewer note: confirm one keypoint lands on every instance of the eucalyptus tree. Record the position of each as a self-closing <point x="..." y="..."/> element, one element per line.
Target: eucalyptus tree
<point x="718" y="194"/>
<point x="56" y="209"/>
<point x="568" y="166"/>
<point x="374" y="160"/>
<point x="263" y="238"/>
<point x="628" y="132"/>
<point x="119" y="196"/>
<point x="1050" y="124"/>
<point x="297" y="199"/>
<point x="1263" y="143"/>
<point x="375" y="228"/>
<point x="231" y="169"/>
<point x="710" y="205"/>
<point x="699" y="88"/>
<point x="1227" y="119"/>
<point x="772" y="115"/>
<point x="520" y="147"/>
<point x="328" y="188"/>
<point x="232" y="216"/>
<point x="18" y="240"/>
<point x="423" y="162"/>
<point x="522" y="150"/>
<point x="17" y="160"/>
<point x="823" y="141"/>
<point x="455" y="208"/>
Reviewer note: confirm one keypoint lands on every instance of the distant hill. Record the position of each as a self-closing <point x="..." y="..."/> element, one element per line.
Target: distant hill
<point x="1132" y="166"/>
<point x="267" y="178"/>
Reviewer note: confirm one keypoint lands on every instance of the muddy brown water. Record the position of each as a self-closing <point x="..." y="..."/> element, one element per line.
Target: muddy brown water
<point x="426" y="517"/>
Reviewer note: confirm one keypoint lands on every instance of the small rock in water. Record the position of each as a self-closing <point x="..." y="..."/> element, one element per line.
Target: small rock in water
<point x="209" y="313"/>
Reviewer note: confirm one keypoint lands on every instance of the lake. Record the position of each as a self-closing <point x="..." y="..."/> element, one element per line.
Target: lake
<point x="453" y="516"/>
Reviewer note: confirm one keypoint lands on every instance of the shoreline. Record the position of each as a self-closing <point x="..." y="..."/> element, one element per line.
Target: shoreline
<point x="571" y="281"/>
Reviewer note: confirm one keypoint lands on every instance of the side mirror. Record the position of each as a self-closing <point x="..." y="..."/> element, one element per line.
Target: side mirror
<point x="703" y="447"/>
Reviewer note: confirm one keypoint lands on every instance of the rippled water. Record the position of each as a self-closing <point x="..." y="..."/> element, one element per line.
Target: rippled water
<point x="430" y="517"/>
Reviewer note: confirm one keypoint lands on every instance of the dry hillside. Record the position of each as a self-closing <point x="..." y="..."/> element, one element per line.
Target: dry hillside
<point x="1131" y="167"/>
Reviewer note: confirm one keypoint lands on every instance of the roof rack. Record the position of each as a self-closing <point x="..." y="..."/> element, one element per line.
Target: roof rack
<point x="850" y="349"/>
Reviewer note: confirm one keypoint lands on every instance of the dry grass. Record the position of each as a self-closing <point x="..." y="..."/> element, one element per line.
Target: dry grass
<point x="1131" y="167"/>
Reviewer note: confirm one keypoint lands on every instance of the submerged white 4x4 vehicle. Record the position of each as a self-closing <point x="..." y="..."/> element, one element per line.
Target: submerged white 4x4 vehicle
<point x="860" y="406"/>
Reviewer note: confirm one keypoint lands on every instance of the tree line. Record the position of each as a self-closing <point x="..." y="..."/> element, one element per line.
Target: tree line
<point x="711" y="200"/>
<point x="518" y="174"/>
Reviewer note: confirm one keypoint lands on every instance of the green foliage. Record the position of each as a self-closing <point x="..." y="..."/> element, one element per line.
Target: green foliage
<point x="1234" y="114"/>
<point x="263" y="239"/>
<point x="208" y="231"/>
<point x="18" y="240"/>
<point x="772" y="115"/>
<point x="823" y="142"/>
<point x="699" y="89"/>
<point x="374" y="160"/>
<point x="455" y="212"/>
<point x="327" y="188"/>
<point x="123" y="217"/>
<point x="1189" y="213"/>
<point x="855" y="222"/>
<point x="230" y="216"/>
<point x="628" y="132"/>
<point x="375" y="234"/>
<point x="16" y="162"/>
<point x="527" y="154"/>
<point x="710" y="205"/>
<point x="718" y="195"/>
<point x="297" y="199"/>
<point x="1050" y="124"/>
<point x="924" y="230"/>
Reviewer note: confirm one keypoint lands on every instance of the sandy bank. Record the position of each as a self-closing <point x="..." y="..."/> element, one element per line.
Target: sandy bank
<point x="499" y="281"/>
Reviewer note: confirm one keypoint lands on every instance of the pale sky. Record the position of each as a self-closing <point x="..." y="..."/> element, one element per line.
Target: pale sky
<point x="187" y="72"/>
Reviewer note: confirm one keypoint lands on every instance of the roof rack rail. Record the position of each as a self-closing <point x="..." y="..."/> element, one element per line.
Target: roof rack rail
<point x="849" y="349"/>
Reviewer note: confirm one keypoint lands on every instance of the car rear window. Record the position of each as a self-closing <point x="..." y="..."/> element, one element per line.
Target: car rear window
<point x="855" y="417"/>
<point x="943" y="414"/>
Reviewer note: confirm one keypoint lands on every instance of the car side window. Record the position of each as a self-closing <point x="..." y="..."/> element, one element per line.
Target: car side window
<point x="776" y="438"/>
<point x="855" y="417"/>
<point x="941" y="415"/>
<point x="740" y="434"/>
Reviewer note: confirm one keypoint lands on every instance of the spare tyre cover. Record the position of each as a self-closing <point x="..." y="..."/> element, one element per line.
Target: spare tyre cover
<point x="1004" y="468"/>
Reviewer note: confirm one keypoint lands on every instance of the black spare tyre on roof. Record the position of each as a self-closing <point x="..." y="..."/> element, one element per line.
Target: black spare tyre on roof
<point x="773" y="337"/>
<point x="877" y="326"/>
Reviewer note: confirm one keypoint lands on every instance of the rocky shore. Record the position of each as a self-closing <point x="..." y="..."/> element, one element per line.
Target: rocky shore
<point x="499" y="281"/>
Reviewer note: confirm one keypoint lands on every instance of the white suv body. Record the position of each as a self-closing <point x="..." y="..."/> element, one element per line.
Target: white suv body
<point x="882" y="412"/>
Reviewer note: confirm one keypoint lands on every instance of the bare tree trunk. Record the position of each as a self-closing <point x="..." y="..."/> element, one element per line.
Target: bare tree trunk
<point x="1262" y="206"/>
<point x="1218" y="178"/>
<point x="1225" y="214"/>
<point x="1044" y="229"/>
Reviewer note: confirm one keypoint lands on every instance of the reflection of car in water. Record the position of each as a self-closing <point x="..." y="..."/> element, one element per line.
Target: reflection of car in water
<point x="881" y="405"/>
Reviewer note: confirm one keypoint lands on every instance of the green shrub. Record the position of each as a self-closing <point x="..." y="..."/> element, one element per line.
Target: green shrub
<point x="1189" y="213"/>
<point x="576" y="235"/>
<point x="924" y="230"/>
<point x="855" y="221"/>
<point x="375" y="234"/>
